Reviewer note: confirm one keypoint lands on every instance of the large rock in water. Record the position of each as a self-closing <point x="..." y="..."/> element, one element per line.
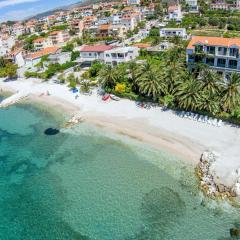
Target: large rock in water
<point x="235" y="232"/>
<point x="51" y="131"/>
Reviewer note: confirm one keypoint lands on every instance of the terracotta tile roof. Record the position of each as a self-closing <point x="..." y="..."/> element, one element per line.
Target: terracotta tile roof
<point x="45" y="51"/>
<point x="142" y="45"/>
<point x="172" y="8"/>
<point x="39" y="40"/>
<point x="96" y="48"/>
<point x="55" y="32"/>
<point x="213" y="41"/>
<point x="104" y="27"/>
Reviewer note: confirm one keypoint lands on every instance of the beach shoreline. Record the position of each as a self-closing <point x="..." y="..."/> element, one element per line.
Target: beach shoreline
<point x="164" y="130"/>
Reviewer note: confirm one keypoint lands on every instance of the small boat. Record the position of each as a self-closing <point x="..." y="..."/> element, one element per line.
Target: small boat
<point x="106" y="97"/>
<point x="115" y="98"/>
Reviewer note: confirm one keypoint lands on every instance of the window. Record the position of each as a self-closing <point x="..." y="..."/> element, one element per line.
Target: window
<point x="221" y="62"/>
<point x="232" y="64"/>
<point x="222" y="51"/>
<point x="210" y="49"/>
<point x="233" y="52"/>
<point x="120" y="55"/>
<point x="210" y="61"/>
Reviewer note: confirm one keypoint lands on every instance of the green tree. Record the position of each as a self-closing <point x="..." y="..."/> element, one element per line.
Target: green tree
<point x="187" y="93"/>
<point x="150" y="83"/>
<point x="230" y="95"/>
<point x="107" y="77"/>
<point x="210" y="81"/>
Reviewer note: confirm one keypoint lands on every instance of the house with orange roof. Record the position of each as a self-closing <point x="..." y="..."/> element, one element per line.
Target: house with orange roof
<point x="221" y="54"/>
<point x="174" y="13"/>
<point x="103" y="30"/>
<point x="129" y="21"/>
<point x="91" y="53"/>
<point x="41" y="43"/>
<point x="59" y="37"/>
<point x="89" y="21"/>
<point x="34" y="58"/>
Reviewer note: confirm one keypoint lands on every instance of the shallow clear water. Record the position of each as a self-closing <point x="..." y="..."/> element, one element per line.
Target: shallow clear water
<point x="85" y="183"/>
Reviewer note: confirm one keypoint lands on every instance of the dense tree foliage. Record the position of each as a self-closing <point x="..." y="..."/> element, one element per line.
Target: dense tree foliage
<point x="167" y="80"/>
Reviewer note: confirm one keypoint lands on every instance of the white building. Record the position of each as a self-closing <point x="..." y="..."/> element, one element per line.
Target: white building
<point x="34" y="58"/>
<point x="173" y="32"/>
<point x="193" y="5"/>
<point x="89" y="53"/>
<point x="174" y="13"/>
<point x="220" y="54"/>
<point x="59" y="37"/>
<point x="120" y="55"/>
<point x="133" y="2"/>
<point x="41" y="43"/>
<point x="60" y="58"/>
<point x="6" y="44"/>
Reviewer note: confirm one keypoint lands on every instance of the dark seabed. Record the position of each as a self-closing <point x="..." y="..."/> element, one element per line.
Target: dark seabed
<point x="85" y="184"/>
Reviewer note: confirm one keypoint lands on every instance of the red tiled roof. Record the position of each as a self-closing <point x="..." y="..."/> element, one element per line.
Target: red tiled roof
<point x="142" y="45"/>
<point x="96" y="48"/>
<point x="55" y="32"/>
<point x="213" y="41"/>
<point x="39" y="40"/>
<point x="104" y="27"/>
<point x="45" y="51"/>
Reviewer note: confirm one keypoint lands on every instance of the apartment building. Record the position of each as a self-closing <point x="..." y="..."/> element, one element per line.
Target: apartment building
<point x="221" y="54"/>
<point x="174" y="13"/>
<point x="90" y="53"/>
<point x="173" y="32"/>
<point x="225" y="5"/>
<point x="41" y="43"/>
<point x="193" y="5"/>
<point x="120" y="55"/>
<point x="6" y="44"/>
<point x="34" y="58"/>
<point x="59" y="37"/>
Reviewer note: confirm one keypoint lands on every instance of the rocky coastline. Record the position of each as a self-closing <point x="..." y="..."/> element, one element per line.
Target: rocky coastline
<point x="207" y="182"/>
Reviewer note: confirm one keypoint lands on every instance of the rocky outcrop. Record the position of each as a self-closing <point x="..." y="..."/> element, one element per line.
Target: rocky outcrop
<point x="73" y="121"/>
<point x="207" y="183"/>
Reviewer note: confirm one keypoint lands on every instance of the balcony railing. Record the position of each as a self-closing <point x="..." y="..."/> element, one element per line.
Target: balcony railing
<point x="221" y="65"/>
<point x="232" y="66"/>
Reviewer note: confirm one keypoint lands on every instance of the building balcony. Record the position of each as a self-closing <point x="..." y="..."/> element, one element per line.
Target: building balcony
<point x="221" y="65"/>
<point x="232" y="66"/>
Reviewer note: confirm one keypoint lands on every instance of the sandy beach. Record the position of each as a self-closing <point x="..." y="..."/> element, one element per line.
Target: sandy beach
<point x="186" y="138"/>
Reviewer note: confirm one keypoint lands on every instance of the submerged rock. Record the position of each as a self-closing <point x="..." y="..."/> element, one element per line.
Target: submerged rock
<point x="234" y="232"/>
<point x="51" y="131"/>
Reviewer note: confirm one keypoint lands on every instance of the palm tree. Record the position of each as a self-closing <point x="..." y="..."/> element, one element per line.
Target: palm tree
<point x="187" y="93"/>
<point x="172" y="76"/>
<point x="174" y="56"/>
<point x="133" y="74"/>
<point x="107" y="77"/>
<point x="210" y="81"/>
<point x="208" y="103"/>
<point x="231" y="93"/>
<point x="151" y="84"/>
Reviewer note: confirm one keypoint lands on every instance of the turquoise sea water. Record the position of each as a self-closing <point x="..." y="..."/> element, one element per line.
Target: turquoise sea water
<point x="85" y="184"/>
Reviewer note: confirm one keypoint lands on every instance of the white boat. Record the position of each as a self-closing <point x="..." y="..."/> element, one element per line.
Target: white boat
<point x="115" y="98"/>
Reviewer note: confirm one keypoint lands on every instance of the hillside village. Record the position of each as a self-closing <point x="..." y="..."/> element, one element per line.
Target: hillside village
<point x="166" y="38"/>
